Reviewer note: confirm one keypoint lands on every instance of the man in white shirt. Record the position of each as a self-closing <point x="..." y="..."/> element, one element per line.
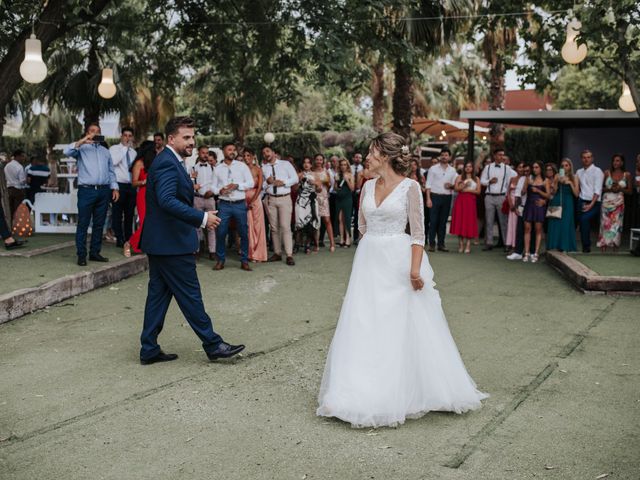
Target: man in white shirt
<point x="440" y="182"/>
<point x="16" y="180"/>
<point x="279" y="177"/>
<point x="122" y="211"/>
<point x="591" y="180"/>
<point x="496" y="177"/>
<point x="202" y="174"/>
<point x="231" y="179"/>
<point x="357" y="169"/>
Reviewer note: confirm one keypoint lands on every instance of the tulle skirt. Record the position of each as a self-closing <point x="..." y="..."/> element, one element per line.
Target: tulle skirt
<point x="392" y="356"/>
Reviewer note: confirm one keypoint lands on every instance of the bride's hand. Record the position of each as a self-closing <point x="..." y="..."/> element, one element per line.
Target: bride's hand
<point x="416" y="282"/>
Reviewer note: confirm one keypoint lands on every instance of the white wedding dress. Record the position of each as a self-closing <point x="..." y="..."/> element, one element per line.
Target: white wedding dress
<point x="392" y="356"/>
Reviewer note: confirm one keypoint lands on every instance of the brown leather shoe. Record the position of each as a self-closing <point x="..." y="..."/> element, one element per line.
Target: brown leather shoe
<point x="219" y="266"/>
<point x="275" y="258"/>
<point x="245" y="266"/>
<point x="290" y="261"/>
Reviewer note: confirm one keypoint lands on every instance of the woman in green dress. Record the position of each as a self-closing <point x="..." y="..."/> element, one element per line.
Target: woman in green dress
<point x="345" y="185"/>
<point x="561" y="232"/>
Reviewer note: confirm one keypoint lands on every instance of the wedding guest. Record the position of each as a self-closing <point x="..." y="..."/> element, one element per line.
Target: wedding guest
<point x="144" y="156"/>
<point x="635" y="220"/>
<point x="333" y="172"/>
<point x="97" y="185"/>
<point x="306" y="209"/>
<point x="203" y="175"/>
<point x="16" y="180"/>
<point x="561" y="232"/>
<point x="538" y="192"/>
<point x="345" y="186"/>
<point x="464" y="219"/>
<point x="158" y="141"/>
<point x="122" y="155"/>
<point x="279" y="177"/>
<point x="591" y="180"/>
<point x="5" y="233"/>
<point x="357" y="170"/>
<point x="256" y="225"/>
<point x="512" y="221"/>
<point x="520" y="201"/>
<point x="38" y="175"/>
<point x="231" y="180"/>
<point x="323" y="177"/>
<point x="416" y="174"/>
<point x="441" y="179"/>
<point x="617" y="183"/>
<point x="495" y="176"/>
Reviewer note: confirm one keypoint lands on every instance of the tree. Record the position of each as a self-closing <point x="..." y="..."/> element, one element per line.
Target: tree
<point x="585" y="88"/>
<point x="611" y="31"/>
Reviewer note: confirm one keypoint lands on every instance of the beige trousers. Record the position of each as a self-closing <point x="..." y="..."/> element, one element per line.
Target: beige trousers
<point x="204" y="205"/>
<point x="279" y="210"/>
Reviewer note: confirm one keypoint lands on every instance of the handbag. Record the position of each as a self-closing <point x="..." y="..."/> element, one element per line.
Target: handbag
<point x="555" y="211"/>
<point x="505" y="207"/>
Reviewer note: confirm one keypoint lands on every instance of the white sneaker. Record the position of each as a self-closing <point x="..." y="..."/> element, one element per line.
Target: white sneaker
<point x="514" y="256"/>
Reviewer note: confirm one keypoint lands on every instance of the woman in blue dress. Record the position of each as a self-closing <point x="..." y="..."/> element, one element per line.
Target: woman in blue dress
<point x="561" y="232"/>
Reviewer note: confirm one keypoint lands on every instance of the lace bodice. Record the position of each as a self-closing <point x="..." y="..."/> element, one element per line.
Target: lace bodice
<point x="404" y="204"/>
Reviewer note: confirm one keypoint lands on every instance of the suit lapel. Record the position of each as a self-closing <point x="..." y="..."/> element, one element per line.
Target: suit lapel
<point x="179" y="164"/>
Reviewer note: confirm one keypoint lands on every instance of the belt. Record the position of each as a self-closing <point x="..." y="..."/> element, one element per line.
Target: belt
<point x="496" y="194"/>
<point x="440" y="194"/>
<point x="222" y="200"/>
<point x="201" y="196"/>
<point x="95" y="187"/>
<point x="282" y="195"/>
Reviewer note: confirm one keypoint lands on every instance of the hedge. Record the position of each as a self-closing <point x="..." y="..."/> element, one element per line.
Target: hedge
<point x="529" y="144"/>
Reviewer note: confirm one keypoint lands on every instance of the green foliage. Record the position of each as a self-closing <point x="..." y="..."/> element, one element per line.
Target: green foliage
<point x="585" y="88"/>
<point x="296" y="144"/>
<point x="529" y="144"/>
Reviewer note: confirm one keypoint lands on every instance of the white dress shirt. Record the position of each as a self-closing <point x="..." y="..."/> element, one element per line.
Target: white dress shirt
<point x="15" y="175"/>
<point x="236" y="172"/>
<point x="356" y="170"/>
<point x="591" y="180"/>
<point x="280" y="170"/>
<point x="502" y="172"/>
<point x="205" y="175"/>
<point x="438" y="176"/>
<point x="122" y="157"/>
<point x="519" y="193"/>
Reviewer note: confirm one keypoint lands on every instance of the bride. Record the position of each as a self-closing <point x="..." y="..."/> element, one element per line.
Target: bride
<point x="392" y="356"/>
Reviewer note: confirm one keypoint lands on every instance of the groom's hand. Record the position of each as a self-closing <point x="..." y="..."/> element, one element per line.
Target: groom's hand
<point x="212" y="220"/>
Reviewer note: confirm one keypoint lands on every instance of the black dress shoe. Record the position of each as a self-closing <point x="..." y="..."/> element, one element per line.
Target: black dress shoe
<point x="12" y="245"/>
<point x="160" y="357"/>
<point x="432" y="248"/>
<point x="488" y="248"/>
<point x="443" y="249"/>
<point x="98" y="258"/>
<point x="82" y="261"/>
<point x="586" y="250"/>
<point x="225" y="350"/>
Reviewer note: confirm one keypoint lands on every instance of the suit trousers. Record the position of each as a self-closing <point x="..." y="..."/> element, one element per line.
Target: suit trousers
<point x="4" y="228"/>
<point x="493" y="208"/>
<point x="205" y="205"/>
<point x="92" y="210"/>
<point x="279" y="210"/>
<point x="16" y="196"/>
<point x="439" y="214"/>
<point x="585" y="219"/>
<point x="174" y="276"/>
<point x="237" y="211"/>
<point x="122" y="213"/>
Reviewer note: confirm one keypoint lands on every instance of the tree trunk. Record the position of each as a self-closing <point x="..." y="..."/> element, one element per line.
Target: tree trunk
<point x="92" y="112"/>
<point x="403" y="100"/>
<point x="496" y="102"/>
<point x="239" y="132"/>
<point x="377" y="95"/>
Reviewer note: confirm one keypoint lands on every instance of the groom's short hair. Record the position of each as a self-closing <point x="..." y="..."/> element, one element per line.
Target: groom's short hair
<point x="176" y="123"/>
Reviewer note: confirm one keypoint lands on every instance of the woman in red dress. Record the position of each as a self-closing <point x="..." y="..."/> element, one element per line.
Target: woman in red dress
<point x="464" y="219"/>
<point x="145" y="155"/>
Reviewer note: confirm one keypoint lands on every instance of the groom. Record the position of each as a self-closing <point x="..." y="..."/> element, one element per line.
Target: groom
<point x="170" y="240"/>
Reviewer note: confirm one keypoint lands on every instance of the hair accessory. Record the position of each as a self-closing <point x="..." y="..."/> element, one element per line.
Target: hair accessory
<point x="405" y="149"/>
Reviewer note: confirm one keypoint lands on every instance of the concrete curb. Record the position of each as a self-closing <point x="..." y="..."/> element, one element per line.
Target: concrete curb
<point x="37" y="251"/>
<point x="589" y="281"/>
<point x="26" y="300"/>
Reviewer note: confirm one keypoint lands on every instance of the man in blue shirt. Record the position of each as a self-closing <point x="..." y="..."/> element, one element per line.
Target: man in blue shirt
<point x="97" y="186"/>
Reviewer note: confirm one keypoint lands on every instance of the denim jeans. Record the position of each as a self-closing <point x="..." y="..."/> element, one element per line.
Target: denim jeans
<point x="92" y="210"/>
<point x="237" y="211"/>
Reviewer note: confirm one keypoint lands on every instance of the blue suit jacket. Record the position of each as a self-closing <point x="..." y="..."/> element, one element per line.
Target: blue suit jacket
<point x="170" y="224"/>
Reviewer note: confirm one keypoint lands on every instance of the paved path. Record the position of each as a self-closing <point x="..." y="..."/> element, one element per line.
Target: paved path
<point x="562" y="369"/>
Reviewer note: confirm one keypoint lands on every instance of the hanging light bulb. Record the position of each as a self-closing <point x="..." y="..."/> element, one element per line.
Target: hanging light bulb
<point x="571" y="51"/>
<point x="33" y="69"/>
<point x="626" y="101"/>
<point x="269" y="138"/>
<point x="107" y="89"/>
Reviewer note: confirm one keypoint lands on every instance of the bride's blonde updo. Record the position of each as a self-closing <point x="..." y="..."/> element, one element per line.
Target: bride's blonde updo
<point x="396" y="148"/>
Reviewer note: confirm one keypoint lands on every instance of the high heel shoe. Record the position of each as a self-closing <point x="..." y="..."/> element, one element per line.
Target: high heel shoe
<point x="126" y="249"/>
<point x="332" y="248"/>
